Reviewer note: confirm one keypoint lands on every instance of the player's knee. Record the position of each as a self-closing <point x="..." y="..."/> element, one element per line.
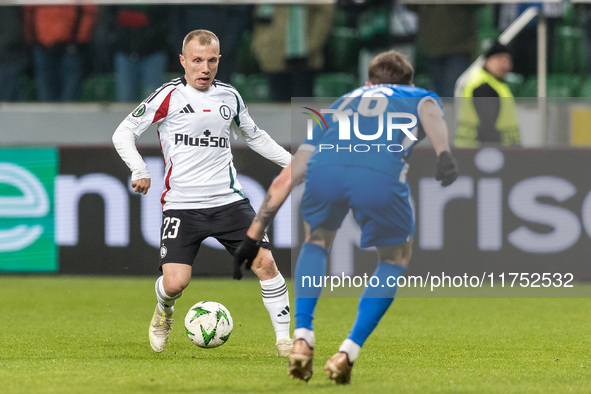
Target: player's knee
<point x="403" y="261"/>
<point x="399" y="254"/>
<point x="175" y="284"/>
<point x="321" y="237"/>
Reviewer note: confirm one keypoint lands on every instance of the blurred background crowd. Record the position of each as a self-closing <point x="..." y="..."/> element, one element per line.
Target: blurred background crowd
<point x="121" y="53"/>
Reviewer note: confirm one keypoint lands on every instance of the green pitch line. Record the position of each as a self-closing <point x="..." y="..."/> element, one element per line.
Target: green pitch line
<point x="89" y="335"/>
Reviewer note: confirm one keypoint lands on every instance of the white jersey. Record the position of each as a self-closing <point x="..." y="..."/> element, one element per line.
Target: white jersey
<point x="194" y="128"/>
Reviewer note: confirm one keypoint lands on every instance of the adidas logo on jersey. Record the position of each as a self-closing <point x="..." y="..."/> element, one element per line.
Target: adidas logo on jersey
<point x="187" y="110"/>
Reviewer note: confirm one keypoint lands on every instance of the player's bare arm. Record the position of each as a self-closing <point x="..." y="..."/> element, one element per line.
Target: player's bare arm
<point x="434" y="125"/>
<point x="436" y="129"/>
<point x="290" y="176"/>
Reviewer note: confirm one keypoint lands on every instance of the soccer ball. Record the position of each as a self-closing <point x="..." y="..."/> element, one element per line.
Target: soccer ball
<point x="208" y="324"/>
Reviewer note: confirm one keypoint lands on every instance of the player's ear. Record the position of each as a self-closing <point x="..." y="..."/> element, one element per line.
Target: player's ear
<point x="182" y="60"/>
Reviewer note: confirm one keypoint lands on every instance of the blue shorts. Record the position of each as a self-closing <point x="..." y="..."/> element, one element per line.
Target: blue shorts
<point x="380" y="203"/>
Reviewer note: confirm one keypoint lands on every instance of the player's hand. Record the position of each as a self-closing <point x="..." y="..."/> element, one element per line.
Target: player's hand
<point x="141" y="185"/>
<point x="245" y="254"/>
<point x="447" y="169"/>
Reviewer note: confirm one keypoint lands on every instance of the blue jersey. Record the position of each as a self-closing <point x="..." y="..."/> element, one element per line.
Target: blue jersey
<point x="373" y="127"/>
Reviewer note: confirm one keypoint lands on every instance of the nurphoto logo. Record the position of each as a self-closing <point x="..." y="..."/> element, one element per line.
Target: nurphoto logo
<point x="390" y="123"/>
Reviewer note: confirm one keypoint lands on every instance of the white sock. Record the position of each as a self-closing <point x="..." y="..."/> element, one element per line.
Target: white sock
<point x="351" y="348"/>
<point x="306" y="335"/>
<point x="165" y="302"/>
<point x="276" y="300"/>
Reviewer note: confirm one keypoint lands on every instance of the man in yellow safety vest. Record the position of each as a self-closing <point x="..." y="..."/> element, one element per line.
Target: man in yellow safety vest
<point x="487" y="109"/>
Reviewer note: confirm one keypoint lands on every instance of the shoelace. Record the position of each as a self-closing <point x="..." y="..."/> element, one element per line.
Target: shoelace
<point x="167" y="321"/>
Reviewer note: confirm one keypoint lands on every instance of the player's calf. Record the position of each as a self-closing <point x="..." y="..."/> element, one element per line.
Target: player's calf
<point x="275" y="298"/>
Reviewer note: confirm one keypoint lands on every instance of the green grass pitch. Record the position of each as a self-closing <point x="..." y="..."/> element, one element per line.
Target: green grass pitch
<point x="89" y="335"/>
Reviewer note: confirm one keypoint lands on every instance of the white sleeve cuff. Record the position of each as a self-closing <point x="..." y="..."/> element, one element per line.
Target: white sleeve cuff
<point x="124" y="141"/>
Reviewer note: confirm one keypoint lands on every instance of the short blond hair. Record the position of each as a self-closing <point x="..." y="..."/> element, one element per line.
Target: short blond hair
<point x="205" y="37"/>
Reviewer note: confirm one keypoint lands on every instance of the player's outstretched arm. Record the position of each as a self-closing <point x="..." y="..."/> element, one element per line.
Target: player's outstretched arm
<point x="436" y="129"/>
<point x="290" y="176"/>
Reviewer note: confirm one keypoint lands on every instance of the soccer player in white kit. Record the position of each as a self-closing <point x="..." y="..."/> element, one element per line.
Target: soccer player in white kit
<point x="202" y="198"/>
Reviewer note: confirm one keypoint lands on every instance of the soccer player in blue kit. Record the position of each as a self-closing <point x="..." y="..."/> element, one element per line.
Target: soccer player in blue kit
<point x="351" y="166"/>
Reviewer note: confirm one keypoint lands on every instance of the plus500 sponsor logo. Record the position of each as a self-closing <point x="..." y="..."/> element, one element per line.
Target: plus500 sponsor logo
<point x="206" y="141"/>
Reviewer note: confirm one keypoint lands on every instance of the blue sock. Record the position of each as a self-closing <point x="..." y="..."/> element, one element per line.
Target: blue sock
<point x="374" y="302"/>
<point x="311" y="268"/>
